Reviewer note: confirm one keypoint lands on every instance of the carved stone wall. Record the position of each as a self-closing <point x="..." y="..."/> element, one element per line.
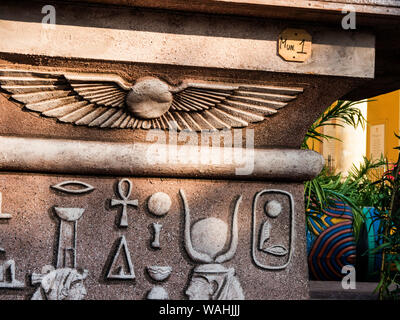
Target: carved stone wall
<point x="35" y="234"/>
<point x="87" y="212"/>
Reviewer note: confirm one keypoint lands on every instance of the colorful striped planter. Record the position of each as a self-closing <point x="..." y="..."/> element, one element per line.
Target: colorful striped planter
<point x="369" y="264"/>
<point x="330" y="242"/>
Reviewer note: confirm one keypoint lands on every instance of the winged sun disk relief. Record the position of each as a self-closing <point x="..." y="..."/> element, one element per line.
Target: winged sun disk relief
<point x="108" y="101"/>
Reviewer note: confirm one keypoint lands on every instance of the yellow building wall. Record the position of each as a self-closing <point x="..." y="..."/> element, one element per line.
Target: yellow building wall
<point x="384" y="110"/>
<point x="340" y="155"/>
<point x="383" y="120"/>
<point x="314" y="145"/>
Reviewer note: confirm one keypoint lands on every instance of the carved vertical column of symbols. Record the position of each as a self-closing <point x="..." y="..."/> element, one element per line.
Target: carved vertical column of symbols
<point x="159" y="205"/>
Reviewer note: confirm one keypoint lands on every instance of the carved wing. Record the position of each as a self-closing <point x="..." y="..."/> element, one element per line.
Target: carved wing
<point x="200" y="106"/>
<point x="99" y="100"/>
<point x="82" y="99"/>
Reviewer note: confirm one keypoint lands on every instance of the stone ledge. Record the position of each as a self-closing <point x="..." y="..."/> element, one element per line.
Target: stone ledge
<point x="308" y="9"/>
<point x="161" y="160"/>
<point x="388" y="7"/>
<point x="149" y="37"/>
<point x="332" y="290"/>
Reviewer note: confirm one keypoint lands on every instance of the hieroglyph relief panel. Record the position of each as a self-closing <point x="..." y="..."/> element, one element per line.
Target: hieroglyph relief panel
<point x="210" y="243"/>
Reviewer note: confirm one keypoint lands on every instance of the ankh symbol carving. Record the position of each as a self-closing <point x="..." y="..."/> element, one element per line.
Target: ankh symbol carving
<point x="123" y="222"/>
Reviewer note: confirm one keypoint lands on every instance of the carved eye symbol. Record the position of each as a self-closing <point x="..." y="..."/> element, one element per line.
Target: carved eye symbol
<point x="277" y="250"/>
<point x="82" y="187"/>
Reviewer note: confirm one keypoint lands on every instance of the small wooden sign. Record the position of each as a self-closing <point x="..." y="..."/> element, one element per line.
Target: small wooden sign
<point x="294" y="45"/>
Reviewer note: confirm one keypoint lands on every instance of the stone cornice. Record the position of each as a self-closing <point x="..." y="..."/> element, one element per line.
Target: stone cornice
<point x="322" y="10"/>
<point x="144" y="159"/>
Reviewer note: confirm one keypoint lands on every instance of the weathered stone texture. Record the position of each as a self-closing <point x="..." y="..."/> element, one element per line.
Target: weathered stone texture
<point x="32" y="243"/>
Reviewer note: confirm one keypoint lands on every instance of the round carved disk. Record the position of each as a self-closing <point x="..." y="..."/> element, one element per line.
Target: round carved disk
<point x="209" y="236"/>
<point x="159" y="203"/>
<point x="149" y="98"/>
<point x="273" y="208"/>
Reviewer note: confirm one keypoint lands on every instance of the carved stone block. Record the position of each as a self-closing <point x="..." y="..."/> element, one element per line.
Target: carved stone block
<point x="93" y="125"/>
<point x="33" y="244"/>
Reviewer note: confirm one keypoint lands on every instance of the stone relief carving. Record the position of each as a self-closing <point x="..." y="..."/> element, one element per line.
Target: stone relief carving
<point x="7" y="270"/>
<point x="121" y="267"/>
<point x="108" y="101"/>
<point x="159" y="204"/>
<point x="64" y="282"/>
<point x="7" y="276"/>
<point x="59" y="284"/>
<point x="2" y="214"/>
<point x="67" y="236"/>
<point x="158" y="273"/>
<point x="203" y="243"/>
<point x="125" y="202"/>
<point x="273" y="209"/>
<point x="157" y="293"/>
<point x="83" y="187"/>
<point x="260" y="241"/>
<point x="156" y="237"/>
